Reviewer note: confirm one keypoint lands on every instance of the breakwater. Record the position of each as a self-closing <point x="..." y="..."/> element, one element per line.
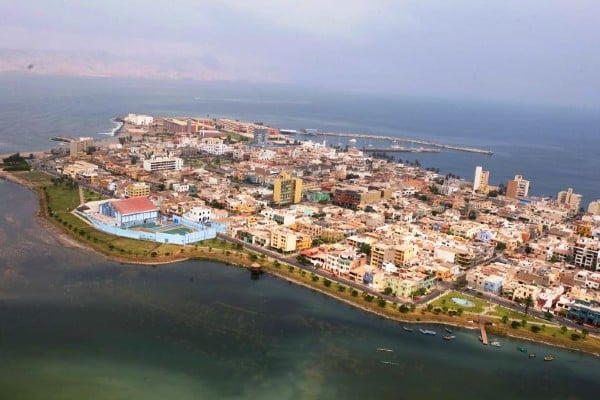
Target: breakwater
<point x="410" y="140"/>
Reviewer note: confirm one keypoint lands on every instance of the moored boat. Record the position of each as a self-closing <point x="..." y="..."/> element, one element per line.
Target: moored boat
<point x="548" y="358"/>
<point x="531" y="355"/>
<point x="427" y="332"/>
<point x="449" y="337"/>
<point x="522" y="349"/>
<point x="407" y="329"/>
<point x="448" y="330"/>
<point x="389" y="363"/>
<point x="384" y="349"/>
<point x="495" y="343"/>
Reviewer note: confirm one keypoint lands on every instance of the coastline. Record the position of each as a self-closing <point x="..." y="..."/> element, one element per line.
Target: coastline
<point x="241" y="258"/>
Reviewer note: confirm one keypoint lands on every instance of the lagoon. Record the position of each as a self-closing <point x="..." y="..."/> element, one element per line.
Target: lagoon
<point x="74" y="325"/>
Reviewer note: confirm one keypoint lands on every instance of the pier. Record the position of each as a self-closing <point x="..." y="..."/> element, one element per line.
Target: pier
<point x="484" y="338"/>
<point x="65" y="139"/>
<point x="409" y="140"/>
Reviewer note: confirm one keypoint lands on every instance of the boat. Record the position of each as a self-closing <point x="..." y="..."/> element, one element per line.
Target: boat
<point x="384" y="349"/>
<point x="352" y="141"/>
<point x="531" y="355"/>
<point x="548" y="358"/>
<point x="449" y="337"/>
<point x="427" y="332"/>
<point x="522" y="349"/>
<point x="388" y="363"/>
<point x="448" y="330"/>
<point x="407" y="329"/>
<point x="495" y="343"/>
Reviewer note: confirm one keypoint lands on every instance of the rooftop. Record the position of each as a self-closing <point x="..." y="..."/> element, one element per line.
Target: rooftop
<point x="134" y="205"/>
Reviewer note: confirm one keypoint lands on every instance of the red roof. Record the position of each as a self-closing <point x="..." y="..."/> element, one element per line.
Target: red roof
<point x="134" y="205"/>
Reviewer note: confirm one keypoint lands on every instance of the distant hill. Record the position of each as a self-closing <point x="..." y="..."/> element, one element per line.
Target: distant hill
<point x="104" y="64"/>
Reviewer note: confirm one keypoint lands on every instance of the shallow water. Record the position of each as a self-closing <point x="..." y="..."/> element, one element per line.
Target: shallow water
<point x="74" y="326"/>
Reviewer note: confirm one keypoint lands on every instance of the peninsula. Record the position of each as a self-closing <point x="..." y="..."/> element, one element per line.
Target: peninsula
<point x="388" y="237"/>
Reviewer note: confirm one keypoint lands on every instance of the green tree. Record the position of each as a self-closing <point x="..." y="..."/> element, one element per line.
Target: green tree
<point x="505" y="319"/>
<point x="388" y="291"/>
<point x="365" y="248"/>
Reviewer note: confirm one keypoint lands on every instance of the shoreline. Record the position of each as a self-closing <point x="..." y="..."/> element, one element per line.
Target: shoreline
<point x="237" y="259"/>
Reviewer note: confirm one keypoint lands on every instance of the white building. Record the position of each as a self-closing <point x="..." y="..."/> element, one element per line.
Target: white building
<point x="200" y="214"/>
<point x="138" y="119"/>
<point x="163" y="164"/>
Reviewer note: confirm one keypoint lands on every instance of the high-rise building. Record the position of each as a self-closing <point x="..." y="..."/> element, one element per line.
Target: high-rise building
<point x="481" y="180"/>
<point x="260" y="136"/>
<point x="594" y="207"/>
<point x="287" y="190"/>
<point x="138" y="189"/>
<point x="570" y="198"/>
<point x="517" y="187"/>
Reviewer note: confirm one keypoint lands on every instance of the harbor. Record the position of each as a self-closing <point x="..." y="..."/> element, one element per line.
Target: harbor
<point x="408" y="140"/>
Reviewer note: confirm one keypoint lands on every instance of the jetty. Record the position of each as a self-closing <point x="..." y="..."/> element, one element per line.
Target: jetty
<point x="65" y="139"/>
<point x="484" y="338"/>
<point x="395" y="139"/>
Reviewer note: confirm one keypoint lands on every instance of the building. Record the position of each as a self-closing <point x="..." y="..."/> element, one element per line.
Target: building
<point x="130" y="212"/>
<point x="138" y="189"/>
<point x="163" y="164"/>
<point x="570" y="198"/>
<point x="354" y="197"/>
<point x="79" y="146"/>
<point x="283" y="239"/>
<point x="585" y="253"/>
<point x="138" y="119"/>
<point x="173" y="125"/>
<point x="200" y="214"/>
<point x="287" y="190"/>
<point x="594" y="207"/>
<point x="517" y="187"/>
<point x="260" y="136"/>
<point x="481" y="180"/>
<point x="587" y="312"/>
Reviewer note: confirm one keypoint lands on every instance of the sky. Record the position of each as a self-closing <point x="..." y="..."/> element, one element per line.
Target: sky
<point x="528" y="50"/>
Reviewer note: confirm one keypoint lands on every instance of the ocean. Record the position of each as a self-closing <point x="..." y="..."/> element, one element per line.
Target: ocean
<point x="555" y="148"/>
<point x="76" y="326"/>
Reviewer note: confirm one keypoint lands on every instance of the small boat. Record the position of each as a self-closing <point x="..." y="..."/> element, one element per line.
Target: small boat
<point x="407" y="329"/>
<point x="388" y="363"/>
<point x="352" y="140"/>
<point x="548" y="358"/>
<point x="522" y="349"/>
<point x="427" y="332"/>
<point x="448" y="330"/>
<point x="384" y="349"/>
<point x="531" y="355"/>
<point x="449" y="337"/>
<point x="495" y="343"/>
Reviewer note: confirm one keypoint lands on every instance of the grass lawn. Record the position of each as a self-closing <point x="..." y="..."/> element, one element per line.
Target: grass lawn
<point x="90" y="195"/>
<point x="36" y="177"/>
<point x="446" y="301"/>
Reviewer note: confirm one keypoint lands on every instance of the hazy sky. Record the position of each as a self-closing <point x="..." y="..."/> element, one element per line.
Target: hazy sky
<point x="531" y="50"/>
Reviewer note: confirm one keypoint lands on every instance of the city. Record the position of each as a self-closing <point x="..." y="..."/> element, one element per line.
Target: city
<point x="390" y="229"/>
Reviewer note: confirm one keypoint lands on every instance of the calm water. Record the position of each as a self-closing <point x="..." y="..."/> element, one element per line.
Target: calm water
<point x="554" y="148"/>
<point x="74" y="326"/>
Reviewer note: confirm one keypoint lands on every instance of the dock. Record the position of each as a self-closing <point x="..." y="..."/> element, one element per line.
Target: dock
<point x="484" y="338"/>
<point x="395" y="139"/>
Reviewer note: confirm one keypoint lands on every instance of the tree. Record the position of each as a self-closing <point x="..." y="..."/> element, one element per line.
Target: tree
<point x="505" y="319"/>
<point x="515" y="324"/>
<point x="403" y="308"/>
<point x="535" y="328"/>
<point x="388" y="291"/>
<point x="365" y="248"/>
<point x="584" y="332"/>
<point x="528" y="303"/>
<point x="429" y="307"/>
<point x="563" y="329"/>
